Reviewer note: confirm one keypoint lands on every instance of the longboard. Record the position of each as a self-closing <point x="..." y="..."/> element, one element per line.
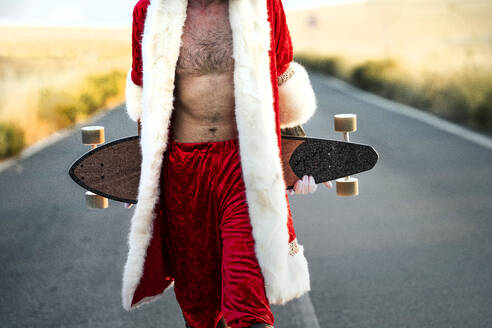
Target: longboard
<point x="112" y="170"/>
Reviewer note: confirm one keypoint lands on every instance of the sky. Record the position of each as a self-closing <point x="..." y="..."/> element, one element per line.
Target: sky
<point x="97" y="12"/>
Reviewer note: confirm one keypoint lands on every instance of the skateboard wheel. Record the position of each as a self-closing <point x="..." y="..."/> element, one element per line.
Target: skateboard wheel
<point x="93" y="200"/>
<point x="93" y="135"/>
<point x="345" y="122"/>
<point x="347" y="186"/>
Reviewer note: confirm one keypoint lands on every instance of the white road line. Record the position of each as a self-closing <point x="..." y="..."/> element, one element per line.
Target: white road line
<point x="304" y="314"/>
<point x="405" y="110"/>
<point x="51" y="139"/>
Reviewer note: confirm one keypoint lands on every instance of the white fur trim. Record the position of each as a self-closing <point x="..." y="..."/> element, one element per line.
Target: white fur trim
<point x="265" y="187"/>
<point x="160" y="50"/>
<point x="297" y="102"/>
<point x="133" y="98"/>
<point x="298" y="277"/>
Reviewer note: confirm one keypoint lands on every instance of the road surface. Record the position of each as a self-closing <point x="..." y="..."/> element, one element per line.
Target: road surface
<point x="414" y="249"/>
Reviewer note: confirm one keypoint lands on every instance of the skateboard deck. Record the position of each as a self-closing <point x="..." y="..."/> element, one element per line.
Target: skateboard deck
<point x="112" y="170"/>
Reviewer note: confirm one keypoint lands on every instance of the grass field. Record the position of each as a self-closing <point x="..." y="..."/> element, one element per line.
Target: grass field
<point x="45" y="71"/>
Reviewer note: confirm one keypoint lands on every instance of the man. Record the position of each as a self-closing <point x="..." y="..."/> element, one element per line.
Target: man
<point x="211" y="84"/>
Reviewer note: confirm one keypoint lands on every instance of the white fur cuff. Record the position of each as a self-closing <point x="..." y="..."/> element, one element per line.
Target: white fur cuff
<point x="297" y="102"/>
<point x="295" y="282"/>
<point x="133" y="98"/>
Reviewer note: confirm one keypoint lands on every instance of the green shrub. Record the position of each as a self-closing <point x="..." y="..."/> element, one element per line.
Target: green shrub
<point x="483" y="112"/>
<point x="11" y="139"/>
<point x="373" y="75"/>
<point x="58" y="107"/>
<point x="87" y="104"/>
<point x="98" y="89"/>
<point x="328" y="65"/>
<point x="63" y="109"/>
<point x="450" y="102"/>
<point x="386" y="78"/>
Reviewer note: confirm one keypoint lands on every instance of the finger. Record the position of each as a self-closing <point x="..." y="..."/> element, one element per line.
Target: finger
<point x="308" y="185"/>
<point x="298" y="186"/>
<point x="312" y="184"/>
<point x="305" y="184"/>
<point x="328" y="184"/>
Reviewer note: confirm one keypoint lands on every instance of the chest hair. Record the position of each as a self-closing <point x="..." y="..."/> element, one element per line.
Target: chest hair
<point x="206" y="47"/>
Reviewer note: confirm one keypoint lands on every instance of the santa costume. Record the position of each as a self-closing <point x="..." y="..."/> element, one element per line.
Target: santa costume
<point x="263" y="59"/>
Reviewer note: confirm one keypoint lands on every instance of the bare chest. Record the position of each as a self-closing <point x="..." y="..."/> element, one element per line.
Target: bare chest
<point x="206" y="42"/>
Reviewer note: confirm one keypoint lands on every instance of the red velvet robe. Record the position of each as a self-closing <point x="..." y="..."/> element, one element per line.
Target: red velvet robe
<point x="263" y="51"/>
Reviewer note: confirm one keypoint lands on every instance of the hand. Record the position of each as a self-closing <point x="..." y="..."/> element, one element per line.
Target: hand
<point x="307" y="185"/>
<point x="128" y="205"/>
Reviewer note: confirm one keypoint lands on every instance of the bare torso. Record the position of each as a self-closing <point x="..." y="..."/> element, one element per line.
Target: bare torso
<point x="204" y="87"/>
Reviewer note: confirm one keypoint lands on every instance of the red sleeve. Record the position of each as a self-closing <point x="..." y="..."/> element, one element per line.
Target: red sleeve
<point x="139" y="14"/>
<point x="283" y="43"/>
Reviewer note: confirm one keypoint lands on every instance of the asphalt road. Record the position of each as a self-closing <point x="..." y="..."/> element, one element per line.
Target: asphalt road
<point x="414" y="249"/>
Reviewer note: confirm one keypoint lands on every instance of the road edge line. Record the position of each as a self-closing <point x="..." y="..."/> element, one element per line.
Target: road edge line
<point x="306" y="314"/>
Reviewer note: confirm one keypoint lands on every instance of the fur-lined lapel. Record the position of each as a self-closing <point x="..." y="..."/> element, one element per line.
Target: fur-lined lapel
<point x="260" y="159"/>
<point x="160" y="50"/>
<point x="285" y="276"/>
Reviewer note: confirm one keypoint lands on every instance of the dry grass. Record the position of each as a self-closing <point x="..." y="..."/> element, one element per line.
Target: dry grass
<point x="34" y="59"/>
<point x="424" y="35"/>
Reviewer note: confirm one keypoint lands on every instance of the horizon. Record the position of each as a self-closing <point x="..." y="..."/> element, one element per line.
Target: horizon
<point x="82" y="14"/>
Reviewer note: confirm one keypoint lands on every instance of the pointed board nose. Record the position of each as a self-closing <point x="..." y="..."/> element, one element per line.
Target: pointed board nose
<point x="111" y="170"/>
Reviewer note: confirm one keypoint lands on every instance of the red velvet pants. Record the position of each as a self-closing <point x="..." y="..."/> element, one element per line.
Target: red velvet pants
<point x="208" y="235"/>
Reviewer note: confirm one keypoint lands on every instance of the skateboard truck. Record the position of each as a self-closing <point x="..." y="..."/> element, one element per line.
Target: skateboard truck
<point x="346" y="123"/>
<point x="93" y="136"/>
